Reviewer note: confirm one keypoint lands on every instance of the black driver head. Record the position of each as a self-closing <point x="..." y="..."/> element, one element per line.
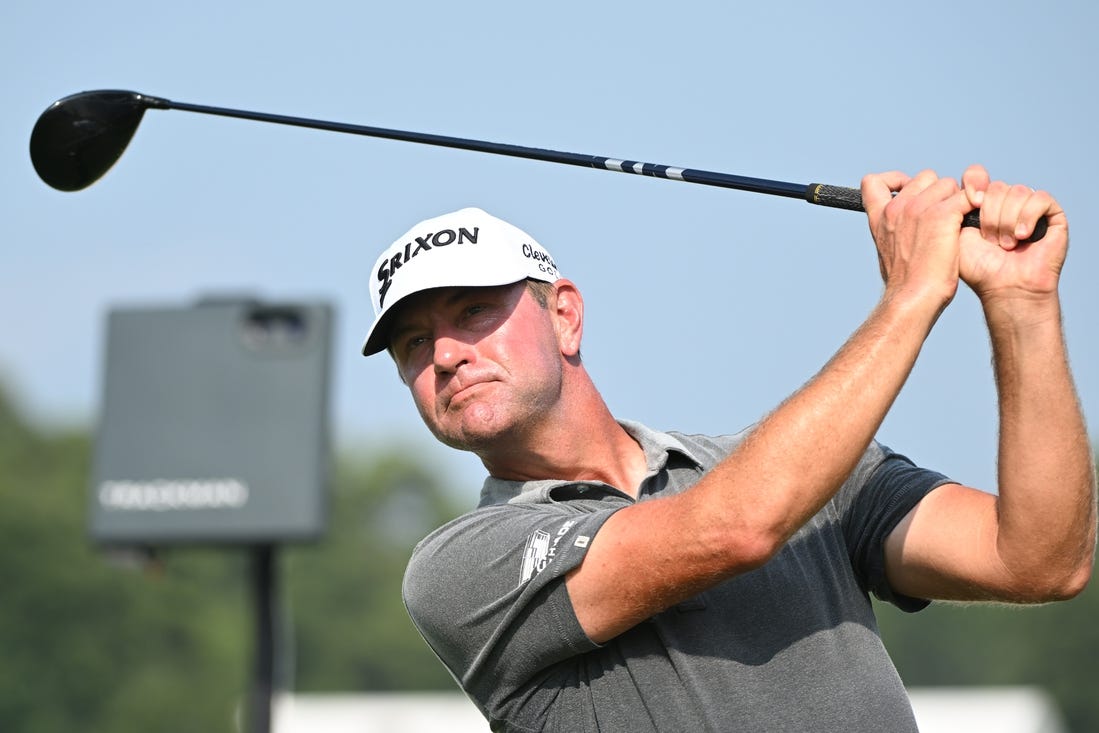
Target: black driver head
<point x="78" y="138"/>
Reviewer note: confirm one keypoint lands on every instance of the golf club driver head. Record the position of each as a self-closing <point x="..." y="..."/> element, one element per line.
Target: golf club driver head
<point x="78" y="138"/>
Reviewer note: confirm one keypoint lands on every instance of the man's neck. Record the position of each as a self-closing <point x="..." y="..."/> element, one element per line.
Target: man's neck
<point x="586" y="444"/>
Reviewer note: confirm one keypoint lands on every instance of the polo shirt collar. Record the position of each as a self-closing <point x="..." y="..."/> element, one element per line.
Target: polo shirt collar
<point x="656" y="445"/>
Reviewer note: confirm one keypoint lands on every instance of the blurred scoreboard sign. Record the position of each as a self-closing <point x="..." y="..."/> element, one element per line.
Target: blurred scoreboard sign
<point x="213" y="425"/>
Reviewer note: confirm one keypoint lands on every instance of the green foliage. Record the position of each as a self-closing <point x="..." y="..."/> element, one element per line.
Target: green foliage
<point x="352" y="631"/>
<point x="1052" y="647"/>
<point x="94" y="645"/>
<point x="88" y="645"/>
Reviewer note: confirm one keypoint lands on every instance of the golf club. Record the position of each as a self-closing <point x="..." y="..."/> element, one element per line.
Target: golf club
<point x="78" y="138"/>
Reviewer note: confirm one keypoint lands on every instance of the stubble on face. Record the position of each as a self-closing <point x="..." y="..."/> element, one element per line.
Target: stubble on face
<point x="495" y="402"/>
<point x="503" y="414"/>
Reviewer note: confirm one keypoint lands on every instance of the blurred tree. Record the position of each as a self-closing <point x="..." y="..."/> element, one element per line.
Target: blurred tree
<point x="351" y="631"/>
<point x="1052" y="646"/>
<point x="98" y="645"/>
<point x="89" y="645"/>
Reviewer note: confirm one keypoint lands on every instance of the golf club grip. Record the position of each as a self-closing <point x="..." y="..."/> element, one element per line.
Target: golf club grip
<point x="842" y="197"/>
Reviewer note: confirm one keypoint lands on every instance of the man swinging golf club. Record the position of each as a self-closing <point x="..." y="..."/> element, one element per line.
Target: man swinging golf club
<point x="619" y="578"/>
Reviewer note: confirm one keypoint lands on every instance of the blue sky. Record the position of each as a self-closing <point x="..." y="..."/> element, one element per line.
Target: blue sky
<point x="705" y="306"/>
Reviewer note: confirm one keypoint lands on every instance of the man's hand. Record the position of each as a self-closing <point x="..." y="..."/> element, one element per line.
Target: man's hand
<point x="993" y="262"/>
<point x="916" y="224"/>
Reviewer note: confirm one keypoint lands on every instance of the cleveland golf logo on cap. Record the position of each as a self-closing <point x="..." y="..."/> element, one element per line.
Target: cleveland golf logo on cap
<point x="545" y="263"/>
<point x="425" y="243"/>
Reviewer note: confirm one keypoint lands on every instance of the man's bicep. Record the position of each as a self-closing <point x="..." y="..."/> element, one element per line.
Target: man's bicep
<point x="945" y="547"/>
<point x="603" y="597"/>
<point x="644" y="559"/>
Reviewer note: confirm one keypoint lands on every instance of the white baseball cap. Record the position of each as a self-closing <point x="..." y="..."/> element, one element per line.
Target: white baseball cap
<point x="466" y="248"/>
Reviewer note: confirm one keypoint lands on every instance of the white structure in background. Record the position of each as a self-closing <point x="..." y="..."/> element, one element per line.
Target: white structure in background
<point x="398" y="712"/>
<point x="1000" y="709"/>
<point x="938" y="710"/>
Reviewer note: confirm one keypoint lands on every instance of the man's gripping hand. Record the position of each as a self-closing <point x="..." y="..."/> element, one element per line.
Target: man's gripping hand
<point x="916" y="224"/>
<point x="993" y="261"/>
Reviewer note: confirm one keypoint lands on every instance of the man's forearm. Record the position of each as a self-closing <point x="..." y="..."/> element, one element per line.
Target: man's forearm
<point x="800" y="454"/>
<point x="1047" y="504"/>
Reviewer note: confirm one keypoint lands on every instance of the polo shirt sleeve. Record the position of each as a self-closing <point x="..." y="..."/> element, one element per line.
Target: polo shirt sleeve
<point x="882" y="490"/>
<point x="487" y="591"/>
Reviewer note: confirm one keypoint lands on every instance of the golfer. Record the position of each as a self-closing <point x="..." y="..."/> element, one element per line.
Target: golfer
<point x="615" y="577"/>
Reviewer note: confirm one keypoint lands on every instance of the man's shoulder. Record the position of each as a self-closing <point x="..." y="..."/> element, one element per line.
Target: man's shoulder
<point x="478" y="520"/>
<point x="497" y="528"/>
<point x="492" y="552"/>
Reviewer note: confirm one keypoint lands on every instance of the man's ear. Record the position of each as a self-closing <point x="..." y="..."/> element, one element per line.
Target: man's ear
<point x="568" y="312"/>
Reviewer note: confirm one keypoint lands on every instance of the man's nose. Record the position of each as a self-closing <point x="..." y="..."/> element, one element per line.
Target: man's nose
<point x="450" y="353"/>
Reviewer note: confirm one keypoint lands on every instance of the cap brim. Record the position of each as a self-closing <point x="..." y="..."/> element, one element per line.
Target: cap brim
<point x="377" y="339"/>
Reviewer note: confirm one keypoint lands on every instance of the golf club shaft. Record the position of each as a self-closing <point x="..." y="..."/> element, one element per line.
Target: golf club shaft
<point x="835" y="196"/>
<point x="840" y="197"/>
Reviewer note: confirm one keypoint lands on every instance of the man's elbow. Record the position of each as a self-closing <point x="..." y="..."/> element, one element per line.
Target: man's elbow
<point x="1076" y="581"/>
<point x="1078" y="573"/>
<point x="1051" y="586"/>
<point x="746" y="550"/>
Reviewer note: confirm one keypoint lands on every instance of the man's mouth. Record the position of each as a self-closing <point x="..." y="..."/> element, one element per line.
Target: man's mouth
<point x="466" y="393"/>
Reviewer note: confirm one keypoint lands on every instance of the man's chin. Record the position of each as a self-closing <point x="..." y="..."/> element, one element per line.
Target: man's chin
<point x="470" y="426"/>
<point x="475" y="435"/>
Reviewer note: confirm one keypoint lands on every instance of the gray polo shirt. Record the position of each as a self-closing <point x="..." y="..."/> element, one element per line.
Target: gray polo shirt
<point x="792" y="645"/>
